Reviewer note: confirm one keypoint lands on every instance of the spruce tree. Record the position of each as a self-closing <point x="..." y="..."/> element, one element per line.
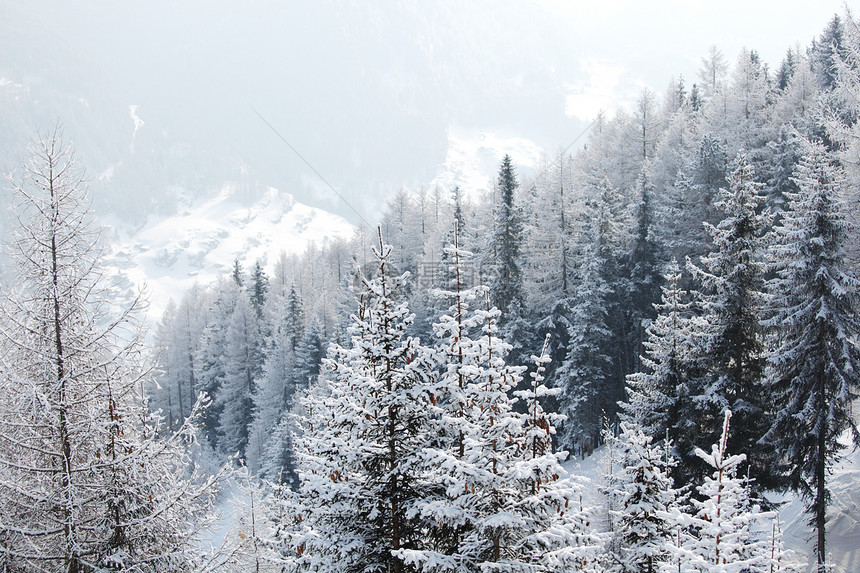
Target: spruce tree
<point x="815" y="367"/>
<point x="258" y="289"/>
<point x="506" y="283"/>
<point x="361" y="451"/>
<point x="655" y="393"/>
<point x="726" y="518"/>
<point x="644" y="494"/>
<point x="242" y="363"/>
<point x="732" y="349"/>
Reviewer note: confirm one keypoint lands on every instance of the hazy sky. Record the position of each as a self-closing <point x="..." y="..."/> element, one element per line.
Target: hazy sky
<point x="628" y="44"/>
<point x="372" y="94"/>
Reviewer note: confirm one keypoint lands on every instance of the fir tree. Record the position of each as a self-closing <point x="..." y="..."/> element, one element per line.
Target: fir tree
<point x="506" y="284"/>
<point x="644" y="493"/>
<point x="655" y="392"/>
<point x="242" y="360"/>
<point x="726" y="519"/>
<point x="815" y="364"/>
<point x="733" y="347"/>
<point x="361" y="451"/>
<point x="258" y="289"/>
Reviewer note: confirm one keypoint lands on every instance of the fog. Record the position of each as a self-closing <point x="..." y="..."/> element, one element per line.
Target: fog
<point x="366" y="92"/>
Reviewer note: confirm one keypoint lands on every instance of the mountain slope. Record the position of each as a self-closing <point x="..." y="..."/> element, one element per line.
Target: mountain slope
<point x="170" y="253"/>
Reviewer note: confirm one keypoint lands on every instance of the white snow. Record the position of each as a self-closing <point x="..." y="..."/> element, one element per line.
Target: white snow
<point x="843" y="518"/>
<point x="473" y="157"/>
<point x="138" y="123"/>
<point x="169" y="254"/>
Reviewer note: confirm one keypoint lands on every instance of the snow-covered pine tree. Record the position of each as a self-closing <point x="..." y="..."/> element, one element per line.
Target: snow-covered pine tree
<point x="726" y="519"/>
<point x="87" y="483"/>
<point x="455" y="403"/>
<point x="278" y="460"/>
<point x="242" y="359"/>
<point x="507" y="504"/>
<point x="641" y="278"/>
<point x="211" y="359"/>
<point x="585" y="367"/>
<point x="361" y="452"/>
<point x="814" y="371"/>
<point x="561" y="536"/>
<point x="732" y="300"/>
<point x="518" y="502"/>
<point x="258" y="288"/>
<point x="654" y="393"/>
<point x="275" y="385"/>
<point x="504" y="251"/>
<point x="643" y="493"/>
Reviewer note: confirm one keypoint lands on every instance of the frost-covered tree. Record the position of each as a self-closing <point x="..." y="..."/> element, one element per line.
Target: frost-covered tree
<point x="712" y="73"/>
<point x="641" y="278"/>
<point x="211" y="358"/>
<point x="258" y="288"/>
<point x="815" y="366"/>
<point x="504" y="249"/>
<point x="177" y="345"/>
<point x="655" y="392"/>
<point x="275" y="385"/>
<point x="726" y="519"/>
<point x="361" y="451"/>
<point x="590" y="375"/>
<point x="242" y="360"/>
<point x="86" y="481"/>
<point x="825" y="53"/>
<point x="643" y="493"/>
<point x="507" y="505"/>
<point x="732" y="348"/>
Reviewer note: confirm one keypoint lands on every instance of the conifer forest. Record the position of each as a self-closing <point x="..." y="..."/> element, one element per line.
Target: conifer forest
<point x="675" y="302"/>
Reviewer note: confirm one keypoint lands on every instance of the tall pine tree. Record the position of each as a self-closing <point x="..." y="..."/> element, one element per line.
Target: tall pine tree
<point x="815" y="367"/>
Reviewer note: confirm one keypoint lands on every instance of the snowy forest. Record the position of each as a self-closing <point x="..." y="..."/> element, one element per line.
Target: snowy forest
<point x="678" y="298"/>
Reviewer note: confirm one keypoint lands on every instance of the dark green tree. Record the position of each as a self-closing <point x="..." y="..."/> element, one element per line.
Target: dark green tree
<point x="258" y="289"/>
<point x="815" y="374"/>
<point x="506" y="284"/>
<point x="732" y="346"/>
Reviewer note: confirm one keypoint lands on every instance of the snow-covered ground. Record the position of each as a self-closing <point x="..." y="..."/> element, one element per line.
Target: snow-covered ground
<point x="169" y="254"/>
<point x="843" y="518"/>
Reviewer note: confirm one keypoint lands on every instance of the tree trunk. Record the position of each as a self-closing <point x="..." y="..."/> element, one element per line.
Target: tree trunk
<point x="820" y="489"/>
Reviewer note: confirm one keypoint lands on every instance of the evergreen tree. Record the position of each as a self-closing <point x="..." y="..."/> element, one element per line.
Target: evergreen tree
<point x="591" y="375"/>
<point x="361" y="452"/>
<point x="733" y="347"/>
<point x="177" y="349"/>
<point x="258" y="289"/>
<point x="815" y="363"/>
<point x="310" y="352"/>
<point x="586" y="366"/>
<point x="654" y="393"/>
<point x="786" y="70"/>
<point x="506" y="283"/>
<point x="726" y="518"/>
<point x="242" y="366"/>
<point x="825" y="53"/>
<point x="211" y="356"/>
<point x="238" y="274"/>
<point x="781" y="169"/>
<point x="642" y="277"/>
<point x="644" y="494"/>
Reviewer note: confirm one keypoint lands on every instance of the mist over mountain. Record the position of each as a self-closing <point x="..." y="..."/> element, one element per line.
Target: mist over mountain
<point x="162" y="99"/>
